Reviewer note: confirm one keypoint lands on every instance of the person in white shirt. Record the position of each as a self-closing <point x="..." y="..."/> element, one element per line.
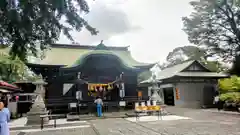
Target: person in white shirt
<point x="217" y="102"/>
<point x="99" y="103"/>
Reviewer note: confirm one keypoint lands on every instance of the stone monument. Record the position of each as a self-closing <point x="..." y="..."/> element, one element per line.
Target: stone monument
<point x="155" y="96"/>
<point x="38" y="107"/>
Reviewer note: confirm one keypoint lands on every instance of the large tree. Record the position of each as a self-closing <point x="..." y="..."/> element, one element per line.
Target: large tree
<point x="181" y="54"/>
<point x="27" y="24"/>
<point x="214" y="24"/>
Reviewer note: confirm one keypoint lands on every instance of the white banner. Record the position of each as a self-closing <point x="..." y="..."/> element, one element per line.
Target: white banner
<point x="66" y="87"/>
<point x="79" y="95"/>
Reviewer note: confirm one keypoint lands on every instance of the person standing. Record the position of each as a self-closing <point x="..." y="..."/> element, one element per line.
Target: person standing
<point x="99" y="104"/>
<point x="4" y="119"/>
<point x="217" y="102"/>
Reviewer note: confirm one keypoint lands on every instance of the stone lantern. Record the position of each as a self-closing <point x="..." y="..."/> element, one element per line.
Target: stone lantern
<point x="155" y="90"/>
<point x="38" y="107"/>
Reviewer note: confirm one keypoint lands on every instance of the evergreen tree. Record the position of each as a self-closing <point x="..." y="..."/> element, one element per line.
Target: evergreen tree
<point x="26" y="23"/>
<point x="214" y="24"/>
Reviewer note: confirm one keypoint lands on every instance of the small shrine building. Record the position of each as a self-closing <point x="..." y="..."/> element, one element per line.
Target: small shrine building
<point x="189" y="84"/>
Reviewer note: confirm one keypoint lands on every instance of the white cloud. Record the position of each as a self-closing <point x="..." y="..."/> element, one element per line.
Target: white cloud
<point x="152" y="28"/>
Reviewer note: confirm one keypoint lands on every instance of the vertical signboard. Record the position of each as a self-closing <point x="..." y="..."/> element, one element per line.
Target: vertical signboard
<point x="177" y="94"/>
<point x="140" y="94"/>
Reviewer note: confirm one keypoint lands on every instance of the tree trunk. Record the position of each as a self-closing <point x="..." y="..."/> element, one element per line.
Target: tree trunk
<point x="236" y="66"/>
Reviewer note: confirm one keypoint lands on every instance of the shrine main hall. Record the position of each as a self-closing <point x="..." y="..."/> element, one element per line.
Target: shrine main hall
<point x="108" y="72"/>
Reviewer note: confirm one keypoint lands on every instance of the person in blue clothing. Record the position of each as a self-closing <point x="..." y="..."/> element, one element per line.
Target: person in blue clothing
<point x="4" y="119"/>
<point x="99" y="104"/>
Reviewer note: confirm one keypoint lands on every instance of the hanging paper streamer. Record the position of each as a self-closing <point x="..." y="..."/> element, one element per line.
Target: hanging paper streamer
<point x="100" y="87"/>
<point x="104" y="89"/>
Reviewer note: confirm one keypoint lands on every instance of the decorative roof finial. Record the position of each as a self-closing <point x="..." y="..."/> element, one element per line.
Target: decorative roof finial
<point x="101" y="46"/>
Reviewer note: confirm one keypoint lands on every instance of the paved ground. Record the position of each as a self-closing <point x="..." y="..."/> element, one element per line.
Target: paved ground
<point x="77" y="131"/>
<point x="202" y="123"/>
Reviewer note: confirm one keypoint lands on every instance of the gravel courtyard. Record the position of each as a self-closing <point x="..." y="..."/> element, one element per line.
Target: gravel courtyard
<point x="201" y="123"/>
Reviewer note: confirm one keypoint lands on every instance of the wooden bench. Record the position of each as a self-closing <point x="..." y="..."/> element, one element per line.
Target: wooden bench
<point x="50" y="116"/>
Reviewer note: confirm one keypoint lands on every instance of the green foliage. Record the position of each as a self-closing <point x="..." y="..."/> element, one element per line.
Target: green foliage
<point x="25" y="24"/>
<point x="144" y="76"/>
<point x="230" y="89"/>
<point x="229" y="84"/>
<point x="181" y="54"/>
<point x="11" y="69"/>
<point x="190" y="52"/>
<point x="214" y="66"/>
<point x="214" y="24"/>
<point x="232" y="97"/>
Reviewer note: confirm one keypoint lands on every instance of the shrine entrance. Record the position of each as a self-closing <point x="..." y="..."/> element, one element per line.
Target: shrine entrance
<point x="103" y="77"/>
<point x="107" y="92"/>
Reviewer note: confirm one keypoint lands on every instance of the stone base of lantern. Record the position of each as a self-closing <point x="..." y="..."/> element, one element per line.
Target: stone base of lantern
<point x="33" y="118"/>
<point x="38" y="109"/>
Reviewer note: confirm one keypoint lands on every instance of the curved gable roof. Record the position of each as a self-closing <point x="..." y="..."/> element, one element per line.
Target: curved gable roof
<point x="85" y="56"/>
<point x="70" y="55"/>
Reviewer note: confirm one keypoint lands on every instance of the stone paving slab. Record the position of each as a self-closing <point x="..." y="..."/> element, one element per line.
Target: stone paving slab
<point x="201" y="123"/>
<point x="75" y="131"/>
<point x="191" y="127"/>
<point x="20" y="124"/>
<point x="155" y="118"/>
<point x="120" y="127"/>
<point x="222" y="111"/>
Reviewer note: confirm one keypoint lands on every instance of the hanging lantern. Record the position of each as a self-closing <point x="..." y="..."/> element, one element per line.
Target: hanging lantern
<point x="96" y="89"/>
<point x="100" y="89"/>
<point x="92" y="87"/>
<point x="89" y="87"/>
<point x="109" y="87"/>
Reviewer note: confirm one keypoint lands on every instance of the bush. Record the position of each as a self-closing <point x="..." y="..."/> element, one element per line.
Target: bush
<point x="229" y="84"/>
<point x="231" y="97"/>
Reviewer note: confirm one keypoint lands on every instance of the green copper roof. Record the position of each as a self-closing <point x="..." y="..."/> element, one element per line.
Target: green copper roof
<point x="123" y="56"/>
<point x="71" y="55"/>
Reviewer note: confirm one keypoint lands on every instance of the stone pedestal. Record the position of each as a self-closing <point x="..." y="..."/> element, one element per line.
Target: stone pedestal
<point x="38" y="108"/>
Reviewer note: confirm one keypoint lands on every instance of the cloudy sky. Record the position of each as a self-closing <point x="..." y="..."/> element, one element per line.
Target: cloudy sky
<point x="151" y="28"/>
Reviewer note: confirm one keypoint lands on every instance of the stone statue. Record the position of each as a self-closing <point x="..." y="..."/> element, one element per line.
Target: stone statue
<point x="155" y="96"/>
